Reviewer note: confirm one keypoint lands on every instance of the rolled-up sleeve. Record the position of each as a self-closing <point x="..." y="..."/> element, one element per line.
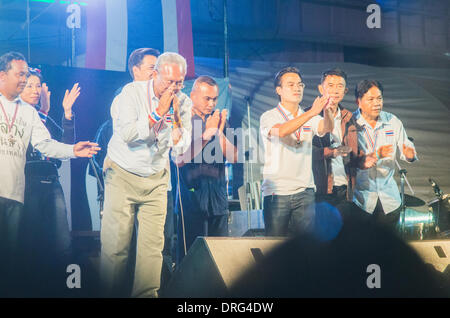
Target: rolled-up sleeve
<point x="403" y="140"/>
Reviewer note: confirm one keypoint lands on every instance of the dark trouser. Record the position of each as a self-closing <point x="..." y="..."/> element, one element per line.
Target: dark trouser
<point x="389" y="221"/>
<point x="289" y="214"/>
<point x="10" y="270"/>
<point x="196" y="224"/>
<point x="45" y="235"/>
<point x="338" y="199"/>
<point x="167" y="252"/>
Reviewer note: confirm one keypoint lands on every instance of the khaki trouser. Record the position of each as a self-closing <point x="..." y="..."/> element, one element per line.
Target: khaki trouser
<point x="125" y="195"/>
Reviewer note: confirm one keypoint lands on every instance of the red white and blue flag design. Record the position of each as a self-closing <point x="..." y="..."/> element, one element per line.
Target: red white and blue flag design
<point x="114" y="28"/>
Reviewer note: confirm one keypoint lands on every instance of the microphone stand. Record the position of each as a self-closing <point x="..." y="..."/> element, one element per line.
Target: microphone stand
<point x="402" y="173"/>
<point x="403" y="179"/>
<point x="99" y="183"/>
<point x="249" y="182"/>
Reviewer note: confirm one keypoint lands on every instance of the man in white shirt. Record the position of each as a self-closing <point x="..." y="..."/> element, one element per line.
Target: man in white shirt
<point x="149" y="119"/>
<point x="287" y="132"/>
<point x="380" y="135"/>
<point x="20" y="125"/>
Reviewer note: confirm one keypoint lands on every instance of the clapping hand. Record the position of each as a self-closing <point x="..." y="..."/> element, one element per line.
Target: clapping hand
<point x="319" y="104"/>
<point x="223" y="120"/>
<point x="212" y="125"/>
<point x="409" y="152"/>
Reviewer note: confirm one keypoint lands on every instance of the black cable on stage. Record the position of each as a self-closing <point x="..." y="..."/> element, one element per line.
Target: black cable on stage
<point x="181" y="210"/>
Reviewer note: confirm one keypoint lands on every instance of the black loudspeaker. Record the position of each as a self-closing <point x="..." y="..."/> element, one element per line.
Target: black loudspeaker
<point x="434" y="252"/>
<point x="254" y="233"/>
<point x="213" y="264"/>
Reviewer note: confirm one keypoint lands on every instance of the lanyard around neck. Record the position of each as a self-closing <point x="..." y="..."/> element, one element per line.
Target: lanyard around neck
<point x="286" y="118"/>
<point x="10" y="124"/>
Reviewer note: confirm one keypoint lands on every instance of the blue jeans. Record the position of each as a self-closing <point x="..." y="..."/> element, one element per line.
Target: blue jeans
<point x="289" y="214"/>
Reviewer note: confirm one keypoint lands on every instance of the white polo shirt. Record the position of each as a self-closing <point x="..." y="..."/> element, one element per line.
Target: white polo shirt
<point x="288" y="160"/>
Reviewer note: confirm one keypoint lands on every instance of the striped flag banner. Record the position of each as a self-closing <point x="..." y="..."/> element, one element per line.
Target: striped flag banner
<point x="114" y="28"/>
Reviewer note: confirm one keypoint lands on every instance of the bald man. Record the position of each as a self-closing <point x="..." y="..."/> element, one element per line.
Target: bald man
<point x="203" y="185"/>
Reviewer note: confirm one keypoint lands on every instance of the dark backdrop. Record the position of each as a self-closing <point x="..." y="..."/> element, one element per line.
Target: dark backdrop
<point x="91" y="110"/>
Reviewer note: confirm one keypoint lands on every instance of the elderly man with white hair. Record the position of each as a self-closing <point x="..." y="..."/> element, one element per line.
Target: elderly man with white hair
<point x="149" y="118"/>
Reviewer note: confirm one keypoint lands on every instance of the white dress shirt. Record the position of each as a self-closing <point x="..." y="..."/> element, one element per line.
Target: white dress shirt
<point x="337" y="164"/>
<point x="378" y="182"/>
<point x="134" y="146"/>
<point x="27" y="128"/>
<point x="287" y="162"/>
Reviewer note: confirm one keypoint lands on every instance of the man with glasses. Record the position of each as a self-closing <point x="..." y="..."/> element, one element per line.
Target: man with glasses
<point x="149" y="119"/>
<point x="287" y="132"/>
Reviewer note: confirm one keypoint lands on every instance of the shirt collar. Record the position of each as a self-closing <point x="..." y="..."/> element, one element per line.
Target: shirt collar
<point x="339" y="114"/>
<point x="288" y="113"/>
<point x="16" y="100"/>
<point x="152" y="91"/>
<point x="382" y="119"/>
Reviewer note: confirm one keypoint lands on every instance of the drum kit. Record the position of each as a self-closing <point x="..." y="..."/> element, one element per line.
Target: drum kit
<point x="430" y="224"/>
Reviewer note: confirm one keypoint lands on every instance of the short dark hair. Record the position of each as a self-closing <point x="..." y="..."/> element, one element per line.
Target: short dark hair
<point x="7" y="58"/>
<point x="205" y="79"/>
<point x="138" y="55"/>
<point x="35" y="72"/>
<point x="334" y="71"/>
<point x="288" y="69"/>
<point x="363" y="86"/>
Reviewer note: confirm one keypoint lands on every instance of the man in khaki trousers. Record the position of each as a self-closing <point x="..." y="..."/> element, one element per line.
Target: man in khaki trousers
<point x="149" y="119"/>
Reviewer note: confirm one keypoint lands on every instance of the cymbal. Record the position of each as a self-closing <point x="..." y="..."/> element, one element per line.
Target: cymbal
<point x="413" y="201"/>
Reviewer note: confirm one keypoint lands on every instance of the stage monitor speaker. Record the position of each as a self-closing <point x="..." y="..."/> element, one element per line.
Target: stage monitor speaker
<point x="213" y="264"/>
<point x="434" y="252"/>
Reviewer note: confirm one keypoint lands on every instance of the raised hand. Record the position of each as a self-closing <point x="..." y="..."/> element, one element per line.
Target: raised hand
<point x="319" y="104"/>
<point x="85" y="149"/>
<point x="176" y="111"/>
<point x="223" y="119"/>
<point x="69" y="99"/>
<point x="165" y="102"/>
<point x="45" y="99"/>
<point x="212" y="125"/>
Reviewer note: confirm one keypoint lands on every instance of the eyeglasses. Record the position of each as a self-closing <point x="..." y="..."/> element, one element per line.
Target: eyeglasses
<point x="296" y="85"/>
<point x="178" y="84"/>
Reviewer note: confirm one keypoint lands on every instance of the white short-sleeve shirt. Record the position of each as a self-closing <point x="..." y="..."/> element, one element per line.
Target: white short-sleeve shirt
<point x="288" y="160"/>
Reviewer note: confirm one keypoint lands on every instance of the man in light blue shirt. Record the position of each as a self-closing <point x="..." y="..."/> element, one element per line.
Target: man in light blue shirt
<point x="380" y="136"/>
<point x="149" y="118"/>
